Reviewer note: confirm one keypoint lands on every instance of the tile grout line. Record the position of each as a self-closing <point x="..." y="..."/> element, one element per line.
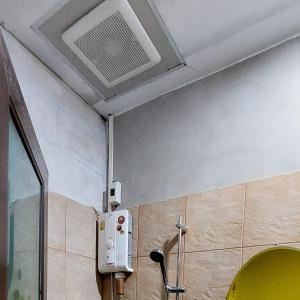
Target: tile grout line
<point x="183" y="273"/>
<point x="185" y="223"/>
<point x="243" y="224"/>
<point x="274" y="244"/>
<point x="138" y="232"/>
<point x="68" y="252"/>
<point x="56" y="249"/>
<point x="208" y="250"/>
<point x="65" y="249"/>
<point x="72" y="253"/>
<point x="183" y="254"/>
<point x="137" y="252"/>
<point x="80" y="255"/>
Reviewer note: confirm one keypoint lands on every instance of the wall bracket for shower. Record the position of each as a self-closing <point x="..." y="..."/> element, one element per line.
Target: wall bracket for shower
<point x="158" y="255"/>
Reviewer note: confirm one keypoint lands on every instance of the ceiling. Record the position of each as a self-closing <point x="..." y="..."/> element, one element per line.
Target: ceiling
<point x="210" y="35"/>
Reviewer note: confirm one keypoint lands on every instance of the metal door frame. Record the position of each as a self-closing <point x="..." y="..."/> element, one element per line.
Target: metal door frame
<point x="12" y="105"/>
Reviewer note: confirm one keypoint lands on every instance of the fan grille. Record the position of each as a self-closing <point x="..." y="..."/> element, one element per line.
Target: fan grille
<point x="112" y="48"/>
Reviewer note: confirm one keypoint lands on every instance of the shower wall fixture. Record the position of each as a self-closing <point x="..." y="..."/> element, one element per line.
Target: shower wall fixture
<point x="157" y="255"/>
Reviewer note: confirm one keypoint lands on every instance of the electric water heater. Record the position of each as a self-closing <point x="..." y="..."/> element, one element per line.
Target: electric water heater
<point x="115" y="242"/>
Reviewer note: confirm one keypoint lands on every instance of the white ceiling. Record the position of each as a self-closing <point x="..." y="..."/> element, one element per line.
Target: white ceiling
<point x="210" y="34"/>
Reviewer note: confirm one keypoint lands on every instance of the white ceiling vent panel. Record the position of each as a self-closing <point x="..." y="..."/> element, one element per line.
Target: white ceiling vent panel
<point x="112" y="42"/>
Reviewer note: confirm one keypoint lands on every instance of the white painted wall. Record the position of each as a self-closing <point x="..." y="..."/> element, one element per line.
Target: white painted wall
<point x="72" y="136"/>
<point x="238" y="125"/>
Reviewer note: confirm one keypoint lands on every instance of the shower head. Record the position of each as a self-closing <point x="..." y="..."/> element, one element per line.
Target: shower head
<point x="157" y="255"/>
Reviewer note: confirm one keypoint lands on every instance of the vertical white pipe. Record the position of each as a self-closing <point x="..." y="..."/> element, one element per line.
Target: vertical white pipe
<point x="110" y="149"/>
<point x="109" y="179"/>
<point x="110" y="169"/>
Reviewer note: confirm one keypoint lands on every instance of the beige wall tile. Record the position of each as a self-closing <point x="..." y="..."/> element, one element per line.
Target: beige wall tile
<point x="209" y="274"/>
<point x="25" y="281"/>
<point x="56" y="221"/>
<point x="129" y="286"/>
<point x="26" y="224"/>
<point x="252" y="251"/>
<point x="135" y="224"/>
<point x="149" y="279"/>
<point x="157" y="225"/>
<point x="56" y="289"/>
<point x="80" y="229"/>
<point x="272" y="212"/>
<point x="130" y="283"/>
<point x="83" y="280"/>
<point x="215" y="219"/>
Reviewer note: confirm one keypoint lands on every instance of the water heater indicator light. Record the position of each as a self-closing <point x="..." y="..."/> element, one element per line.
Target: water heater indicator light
<point x="121" y="220"/>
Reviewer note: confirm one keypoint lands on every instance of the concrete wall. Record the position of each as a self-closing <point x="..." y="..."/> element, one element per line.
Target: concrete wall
<point x="238" y="125"/>
<point x="72" y="136"/>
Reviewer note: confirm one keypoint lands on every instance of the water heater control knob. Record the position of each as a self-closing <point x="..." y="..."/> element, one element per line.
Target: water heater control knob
<point x="109" y="243"/>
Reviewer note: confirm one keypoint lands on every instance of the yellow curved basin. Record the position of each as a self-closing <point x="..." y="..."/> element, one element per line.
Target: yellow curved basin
<point x="273" y="274"/>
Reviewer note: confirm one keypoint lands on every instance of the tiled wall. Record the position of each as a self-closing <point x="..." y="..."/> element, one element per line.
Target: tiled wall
<point x="72" y="272"/>
<point x="226" y="228"/>
<point x="24" y="250"/>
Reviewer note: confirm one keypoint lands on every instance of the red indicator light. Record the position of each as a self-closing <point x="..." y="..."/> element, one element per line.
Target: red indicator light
<point x="121" y="220"/>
